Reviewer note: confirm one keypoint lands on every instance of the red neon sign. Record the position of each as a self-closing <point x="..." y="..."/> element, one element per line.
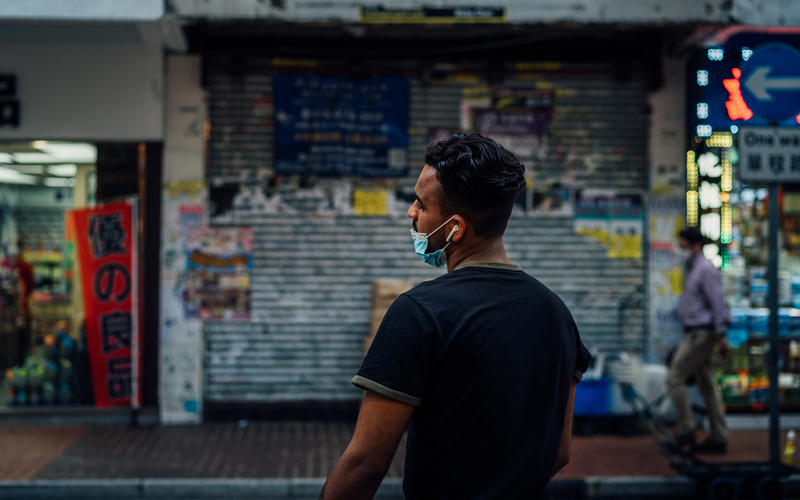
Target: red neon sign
<point x="737" y="108"/>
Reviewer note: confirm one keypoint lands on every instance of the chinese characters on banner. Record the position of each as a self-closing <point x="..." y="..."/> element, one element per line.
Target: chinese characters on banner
<point x="218" y="265"/>
<point x="107" y="251"/>
<point x="332" y="125"/>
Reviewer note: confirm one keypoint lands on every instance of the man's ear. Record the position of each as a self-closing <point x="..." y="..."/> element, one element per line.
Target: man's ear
<point x="462" y="227"/>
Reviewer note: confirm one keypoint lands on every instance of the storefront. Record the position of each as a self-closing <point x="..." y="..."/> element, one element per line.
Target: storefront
<point x="744" y="118"/>
<point x="81" y="125"/>
<point x="324" y="230"/>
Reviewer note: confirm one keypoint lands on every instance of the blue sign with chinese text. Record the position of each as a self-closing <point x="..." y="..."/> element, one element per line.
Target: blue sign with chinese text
<point x="333" y="125"/>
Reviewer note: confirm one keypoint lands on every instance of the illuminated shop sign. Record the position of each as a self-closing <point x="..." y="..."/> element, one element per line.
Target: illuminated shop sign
<point x="709" y="180"/>
<point x="750" y="80"/>
<point x="753" y="79"/>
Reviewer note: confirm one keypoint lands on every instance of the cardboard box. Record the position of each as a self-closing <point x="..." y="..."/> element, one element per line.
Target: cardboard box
<point x="384" y="292"/>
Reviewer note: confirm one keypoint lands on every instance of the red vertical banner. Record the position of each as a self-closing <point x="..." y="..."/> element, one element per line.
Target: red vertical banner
<point x="108" y="252"/>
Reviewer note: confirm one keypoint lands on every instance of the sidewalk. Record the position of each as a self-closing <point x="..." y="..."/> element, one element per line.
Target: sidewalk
<point x="281" y="454"/>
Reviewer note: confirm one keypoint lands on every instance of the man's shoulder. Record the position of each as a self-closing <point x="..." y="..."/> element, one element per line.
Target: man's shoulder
<point x="474" y="282"/>
<point x="706" y="266"/>
<point x="467" y="275"/>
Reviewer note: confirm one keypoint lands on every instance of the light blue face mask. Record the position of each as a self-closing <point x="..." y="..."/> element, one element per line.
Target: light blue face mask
<point x="437" y="258"/>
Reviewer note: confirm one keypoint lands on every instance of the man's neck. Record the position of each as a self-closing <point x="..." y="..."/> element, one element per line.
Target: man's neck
<point x="484" y="251"/>
<point x="690" y="262"/>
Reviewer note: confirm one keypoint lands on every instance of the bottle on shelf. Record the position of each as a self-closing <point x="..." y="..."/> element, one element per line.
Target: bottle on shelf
<point x="790" y="450"/>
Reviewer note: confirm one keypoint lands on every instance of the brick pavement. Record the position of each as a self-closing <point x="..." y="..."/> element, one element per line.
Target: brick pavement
<point x="25" y="451"/>
<point x="277" y="450"/>
<point x="261" y="449"/>
<point x="639" y="455"/>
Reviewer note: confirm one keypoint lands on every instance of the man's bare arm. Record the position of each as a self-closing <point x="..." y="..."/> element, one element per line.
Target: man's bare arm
<point x="381" y="423"/>
<point x="562" y="458"/>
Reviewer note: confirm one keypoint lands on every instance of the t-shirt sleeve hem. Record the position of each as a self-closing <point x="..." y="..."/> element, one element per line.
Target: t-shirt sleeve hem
<point x="578" y="376"/>
<point x="367" y="384"/>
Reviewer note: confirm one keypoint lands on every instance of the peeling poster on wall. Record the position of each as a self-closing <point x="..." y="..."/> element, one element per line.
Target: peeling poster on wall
<point x="614" y="220"/>
<point x="519" y="119"/>
<point x="219" y="262"/>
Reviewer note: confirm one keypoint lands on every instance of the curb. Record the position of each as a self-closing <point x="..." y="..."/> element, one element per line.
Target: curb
<point x="594" y="487"/>
<point x="307" y="488"/>
<point x="195" y="489"/>
<point x="637" y="487"/>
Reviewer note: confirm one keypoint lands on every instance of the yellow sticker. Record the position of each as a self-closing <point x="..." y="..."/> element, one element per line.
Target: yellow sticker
<point x="675" y="276"/>
<point x="625" y="247"/>
<point x="598" y="234"/>
<point x="369" y="202"/>
<point x="184" y="188"/>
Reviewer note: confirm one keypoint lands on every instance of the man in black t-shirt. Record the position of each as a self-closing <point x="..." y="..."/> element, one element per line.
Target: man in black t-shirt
<point x="479" y="364"/>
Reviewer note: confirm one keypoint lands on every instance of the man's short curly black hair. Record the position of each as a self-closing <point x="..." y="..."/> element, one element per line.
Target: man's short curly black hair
<point x="480" y="180"/>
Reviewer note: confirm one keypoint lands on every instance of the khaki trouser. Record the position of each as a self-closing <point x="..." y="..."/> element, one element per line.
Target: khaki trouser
<point x="694" y="355"/>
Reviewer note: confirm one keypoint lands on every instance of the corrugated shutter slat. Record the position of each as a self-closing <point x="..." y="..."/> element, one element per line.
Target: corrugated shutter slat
<point x="312" y="274"/>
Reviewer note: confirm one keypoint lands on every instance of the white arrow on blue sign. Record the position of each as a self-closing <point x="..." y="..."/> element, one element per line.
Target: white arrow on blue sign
<point x="771" y="81"/>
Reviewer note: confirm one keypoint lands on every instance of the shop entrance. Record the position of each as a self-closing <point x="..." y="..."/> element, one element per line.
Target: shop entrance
<point x="44" y="359"/>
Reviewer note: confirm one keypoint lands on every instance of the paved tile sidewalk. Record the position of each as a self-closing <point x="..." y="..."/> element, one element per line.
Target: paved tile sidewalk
<point x="639" y="455"/>
<point x="262" y="449"/>
<point x="276" y="450"/>
<point x="25" y="451"/>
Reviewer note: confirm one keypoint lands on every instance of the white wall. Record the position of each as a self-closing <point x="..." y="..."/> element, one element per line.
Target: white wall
<point x="86" y="91"/>
<point x="766" y="12"/>
<point x="519" y="11"/>
<point x="82" y="9"/>
<point x="667" y="207"/>
<point x="752" y="12"/>
<point x="667" y="141"/>
<point x="181" y="340"/>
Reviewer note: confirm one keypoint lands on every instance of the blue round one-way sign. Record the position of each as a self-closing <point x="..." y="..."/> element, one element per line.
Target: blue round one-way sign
<point x="770" y="81"/>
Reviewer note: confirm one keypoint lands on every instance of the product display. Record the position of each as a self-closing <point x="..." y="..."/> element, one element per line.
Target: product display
<point x="744" y="377"/>
<point x="47" y="376"/>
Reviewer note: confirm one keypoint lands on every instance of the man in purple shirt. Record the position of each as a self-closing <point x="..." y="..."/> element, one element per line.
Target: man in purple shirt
<point x="704" y="316"/>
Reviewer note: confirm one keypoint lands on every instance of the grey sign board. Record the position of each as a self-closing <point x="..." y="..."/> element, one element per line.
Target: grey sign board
<point x="769" y="154"/>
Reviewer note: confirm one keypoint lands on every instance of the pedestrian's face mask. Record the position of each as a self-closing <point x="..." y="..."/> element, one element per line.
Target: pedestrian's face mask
<point x="437" y="258"/>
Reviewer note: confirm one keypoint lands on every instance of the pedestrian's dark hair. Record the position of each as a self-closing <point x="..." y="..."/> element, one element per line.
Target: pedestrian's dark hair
<point x="480" y="180"/>
<point x="693" y="236"/>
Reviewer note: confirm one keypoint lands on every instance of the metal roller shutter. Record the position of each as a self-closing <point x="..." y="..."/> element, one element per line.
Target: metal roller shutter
<point x="313" y="272"/>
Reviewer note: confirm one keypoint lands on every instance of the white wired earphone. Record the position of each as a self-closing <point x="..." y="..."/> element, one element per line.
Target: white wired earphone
<point x="455" y="228"/>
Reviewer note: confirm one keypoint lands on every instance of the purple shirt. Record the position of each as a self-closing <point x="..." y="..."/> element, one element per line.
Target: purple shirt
<point x="703" y="302"/>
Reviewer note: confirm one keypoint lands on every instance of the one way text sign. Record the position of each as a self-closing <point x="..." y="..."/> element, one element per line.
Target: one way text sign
<point x="769" y="154"/>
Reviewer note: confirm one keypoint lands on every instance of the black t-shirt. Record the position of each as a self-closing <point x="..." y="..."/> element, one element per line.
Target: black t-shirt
<point x="487" y="354"/>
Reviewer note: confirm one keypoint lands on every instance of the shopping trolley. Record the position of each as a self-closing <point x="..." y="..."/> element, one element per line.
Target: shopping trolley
<point x="720" y="481"/>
